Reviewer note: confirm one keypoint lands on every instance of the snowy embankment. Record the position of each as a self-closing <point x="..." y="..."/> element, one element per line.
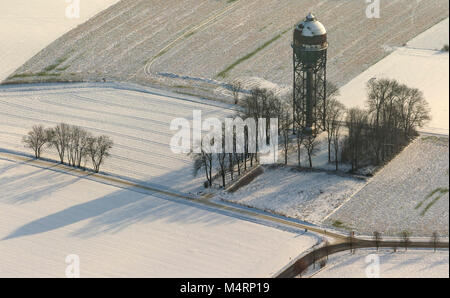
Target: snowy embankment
<point x="47" y="214"/>
<point x="137" y="122"/>
<point x="421" y="65"/>
<point x="26" y="27"/>
<point x="410" y="264"/>
<point x="410" y="193"/>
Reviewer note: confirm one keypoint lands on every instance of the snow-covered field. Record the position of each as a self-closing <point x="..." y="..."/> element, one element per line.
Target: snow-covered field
<point x="248" y="39"/>
<point x="410" y="193"/>
<point x="47" y="214"/>
<point x="137" y="122"/>
<point x="432" y="39"/>
<point x="26" y="27"/>
<point x="304" y="195"/>
<point x="417" y="65"/>
<point x="411" y="264"/>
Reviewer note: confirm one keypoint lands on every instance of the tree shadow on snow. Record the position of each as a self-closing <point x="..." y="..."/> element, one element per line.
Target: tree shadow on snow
<point x="120" y="209"/>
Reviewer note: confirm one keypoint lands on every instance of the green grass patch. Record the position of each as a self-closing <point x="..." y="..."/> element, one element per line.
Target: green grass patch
<point x="440" y="191"/>
<point x="51" y="67"/>
<point x="156" y="57"/>
<point x="430" y="204"/>
<point x="224" y="72"/>
<point x="46" y="74"/>
<point x="63" y="68"/>
<point x="340" y="225"/>
<point x="55" y="65"/>
<point x="182" y="87"/>
<point x="189" y="34"/>
<point x="22" y="75"/>
<point x="38" y="74"/>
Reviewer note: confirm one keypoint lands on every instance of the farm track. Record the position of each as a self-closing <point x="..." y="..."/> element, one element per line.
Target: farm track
<point x="187" y="34"/>
<point x="307" y="259"/>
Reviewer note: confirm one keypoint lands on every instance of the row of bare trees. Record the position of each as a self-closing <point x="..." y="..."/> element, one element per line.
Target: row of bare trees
<point x="72" y="143"/>
<point x="259" y="104"/>
<point x="405" y="239"/>
<point x="221" y="164"/>
<point x="356" y="136"/>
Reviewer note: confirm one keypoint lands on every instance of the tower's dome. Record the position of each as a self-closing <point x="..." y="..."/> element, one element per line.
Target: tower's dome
<point x="310" y="32"/>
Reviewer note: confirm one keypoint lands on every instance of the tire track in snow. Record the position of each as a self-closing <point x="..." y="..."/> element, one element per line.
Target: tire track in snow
<point x="185" y="35"/>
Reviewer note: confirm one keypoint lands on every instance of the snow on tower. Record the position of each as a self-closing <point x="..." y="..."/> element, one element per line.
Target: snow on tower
<point x="310" y="65"/>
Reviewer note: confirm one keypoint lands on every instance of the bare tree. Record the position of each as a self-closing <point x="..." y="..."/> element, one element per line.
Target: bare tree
<point x="236" y="89"/>
<point x="381" y="92"/>
<point x="333" y="119"/>
<point x="351" y="241"/>
<point x="299" y="136"/>
<point x="59" y="138"/>
<point x="72" y="145"/>
<point x="203" y="160"/>
<point x="377" y="237"/>
<point x="336" y="140"/>
<point x="356" y="123"/>
<point x="413" y="110"/>
<point x="327" y="247"/>
<point x="77" y="145"/>
<point x="231" y="155"/>
<point x="332" y="91"/>
<point x="222" y="166"/>
<point x="98" y="149"/>
<point x="285" y="128"/>
<point x="395" y="112"/>
<point x="310" y="143"/>
<point x="435" y="240"/>
<point x="405" y="239"/>
<point x="36" y="138"/>
<point x="83" y="147"/>
<point x="297" y="123"/>
<point x="260" y="104"/>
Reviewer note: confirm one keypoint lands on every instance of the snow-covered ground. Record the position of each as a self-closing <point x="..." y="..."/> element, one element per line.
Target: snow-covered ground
<point x="410" y="193"/>
<point x="418" y="65"/>
<point x="432" y="39"/>
<point x="305" y="195"/>
<point x="411" y="264"/>
<point x="137" y="122"/>
<point x="47" y="214"/>
<point x="26" y="27"/>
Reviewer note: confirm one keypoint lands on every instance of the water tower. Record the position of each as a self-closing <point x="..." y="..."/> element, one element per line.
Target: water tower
<point x="310" y="72"/>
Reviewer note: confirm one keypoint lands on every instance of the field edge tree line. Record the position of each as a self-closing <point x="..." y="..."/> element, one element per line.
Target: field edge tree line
<point x="373" y="135"/>
<point x="72" y="143"/>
